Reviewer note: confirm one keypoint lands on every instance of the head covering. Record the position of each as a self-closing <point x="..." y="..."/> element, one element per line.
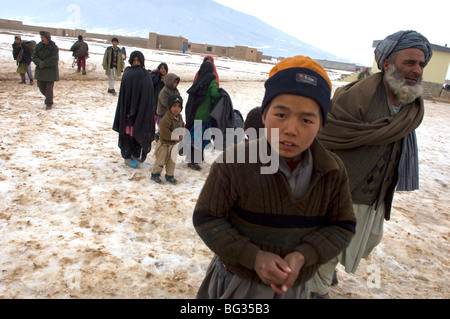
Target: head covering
<point x="45" y="34"/>
<point x="399" y="41"/>
<point x="205" y="68"/>
<point x="17" y="37"/>
<point x="80" y="37"/>
<point x="175" y="98"/>
<point x="211" y="60"/>
<point x="299" y="75"/>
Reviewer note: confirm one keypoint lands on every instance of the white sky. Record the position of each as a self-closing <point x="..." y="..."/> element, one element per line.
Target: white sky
<point x="347" y="28"/>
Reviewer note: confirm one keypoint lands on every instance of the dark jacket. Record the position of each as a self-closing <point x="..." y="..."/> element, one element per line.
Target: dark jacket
<point x="158" y="85"/>
<point x="134" y="107"/>
<point x="21" y="53"/>
<point x="223" y="117"/>
<point x="80" y="49"/>
<point x="46" y="58"/>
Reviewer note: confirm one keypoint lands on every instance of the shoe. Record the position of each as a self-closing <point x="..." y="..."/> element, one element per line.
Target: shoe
<point x="132" y="164"/>
<point x="31" y="82"/>
<point x="335" y="280"/>
<point x="84" y="72"/>
<point x="48" y="107"/>
<point x="313" y="295"/>
<point x="78" y="71"/>
<point x="155" y="178"/>
<point x="22" y="82"/>
<point x="195" y="166"/>
<point x="137" y="159"/>
<point x="171" y="179"/>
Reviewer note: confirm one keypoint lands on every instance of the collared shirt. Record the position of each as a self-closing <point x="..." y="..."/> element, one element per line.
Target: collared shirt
<point x="300" y="178"/>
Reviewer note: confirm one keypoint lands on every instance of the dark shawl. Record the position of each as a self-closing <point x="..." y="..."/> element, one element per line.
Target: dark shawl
<point x="21" y="53"/>
<point x="134" y="106"/>
<point x="197" y="92"/>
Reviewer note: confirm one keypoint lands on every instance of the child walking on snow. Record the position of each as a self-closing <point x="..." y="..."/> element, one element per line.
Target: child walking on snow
<point x="170" y="122"/>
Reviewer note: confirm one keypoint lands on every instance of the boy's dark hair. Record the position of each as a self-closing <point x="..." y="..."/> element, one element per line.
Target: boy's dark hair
<point x="80" y="38"/>
<point x="139" y="55"/>
<point x="254" y="120"/>
<point x="115" y="40"/>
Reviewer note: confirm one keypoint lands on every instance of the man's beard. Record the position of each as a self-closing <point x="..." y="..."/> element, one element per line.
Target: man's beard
<point x="404" y="92"/>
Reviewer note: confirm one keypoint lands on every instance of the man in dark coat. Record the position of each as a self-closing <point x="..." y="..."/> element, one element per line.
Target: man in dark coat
<point x="80" y="51"/>
<point x="134" y="120"/>
<point x="46" y="58"/>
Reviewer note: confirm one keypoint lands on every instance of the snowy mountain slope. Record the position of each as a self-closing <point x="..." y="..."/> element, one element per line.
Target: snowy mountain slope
<point x="201" y="21"/>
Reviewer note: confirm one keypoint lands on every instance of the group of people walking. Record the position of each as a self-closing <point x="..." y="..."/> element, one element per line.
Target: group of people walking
<point x="138" y="110"/>
<point x="45" y="56"/>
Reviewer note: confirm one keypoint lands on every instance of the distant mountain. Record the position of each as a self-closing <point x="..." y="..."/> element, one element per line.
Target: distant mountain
<point x="200" y="21"/>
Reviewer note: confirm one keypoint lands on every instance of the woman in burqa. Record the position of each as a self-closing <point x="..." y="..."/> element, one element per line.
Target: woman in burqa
<point x="203" y="94"/>
<point x="134" y="120"/>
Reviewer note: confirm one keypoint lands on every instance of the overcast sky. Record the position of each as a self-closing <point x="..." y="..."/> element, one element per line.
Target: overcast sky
<point x="347" y="28"/>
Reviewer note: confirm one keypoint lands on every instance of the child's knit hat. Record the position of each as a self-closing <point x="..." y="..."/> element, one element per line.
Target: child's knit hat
<point x="175" y="98"/>
<point x="299" y="75"/>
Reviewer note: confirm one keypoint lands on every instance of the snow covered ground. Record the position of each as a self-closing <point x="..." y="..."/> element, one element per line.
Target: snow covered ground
<point x="75" y="222"/>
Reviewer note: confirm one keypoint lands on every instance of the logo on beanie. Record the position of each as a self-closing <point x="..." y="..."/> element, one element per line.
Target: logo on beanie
<point x="306" y="78"/>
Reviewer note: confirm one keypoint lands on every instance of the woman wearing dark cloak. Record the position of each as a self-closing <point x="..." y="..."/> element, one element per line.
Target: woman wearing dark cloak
<point x="134" y="120"/>
<point x="202" y="94"/>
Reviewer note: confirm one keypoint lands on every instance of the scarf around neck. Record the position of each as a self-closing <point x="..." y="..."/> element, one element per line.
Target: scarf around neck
<point x="359" y="141"/>
<point x="346" y="127"/>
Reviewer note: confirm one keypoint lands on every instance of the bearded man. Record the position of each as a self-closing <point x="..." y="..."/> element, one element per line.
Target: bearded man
<point x="371" y="126"/>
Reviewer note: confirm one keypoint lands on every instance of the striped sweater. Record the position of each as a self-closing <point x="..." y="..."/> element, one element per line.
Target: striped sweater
<point x="240" y="211"/>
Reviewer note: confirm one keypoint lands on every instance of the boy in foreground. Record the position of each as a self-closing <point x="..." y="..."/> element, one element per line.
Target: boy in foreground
<point x="270" y="232"/>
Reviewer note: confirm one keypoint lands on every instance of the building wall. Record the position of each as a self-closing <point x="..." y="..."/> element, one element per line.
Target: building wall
<point x="166" y="42"/>
<point x="154" y="41"/>
<point x="339" y="65"/>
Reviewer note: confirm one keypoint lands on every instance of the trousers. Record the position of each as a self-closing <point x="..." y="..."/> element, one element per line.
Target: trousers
<point x="369" y="232"/>
<point x="46" y="89"/>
